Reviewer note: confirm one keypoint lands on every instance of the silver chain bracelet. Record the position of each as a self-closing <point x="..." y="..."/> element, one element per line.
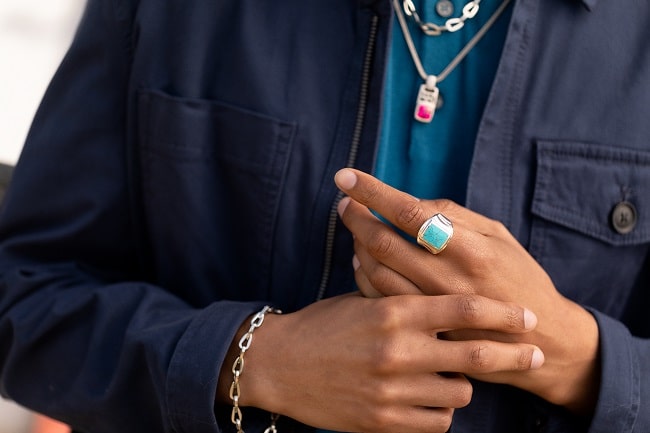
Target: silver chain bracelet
<point x="238" y="368"/>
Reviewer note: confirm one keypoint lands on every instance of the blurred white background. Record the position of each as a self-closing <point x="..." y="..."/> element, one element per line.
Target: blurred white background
<point x="34" y="36"/>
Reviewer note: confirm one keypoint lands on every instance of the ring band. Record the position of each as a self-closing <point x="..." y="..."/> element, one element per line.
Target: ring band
<point x="435" y="233"/>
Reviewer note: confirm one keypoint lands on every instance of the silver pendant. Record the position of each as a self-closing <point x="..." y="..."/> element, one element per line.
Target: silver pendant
<point x="425" y="105"/>
<point x="444" y="8"/>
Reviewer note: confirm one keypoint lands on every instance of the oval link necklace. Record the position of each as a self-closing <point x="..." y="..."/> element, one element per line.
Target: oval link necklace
<point x="451" y="25"/>
<point x="425" y="105"/>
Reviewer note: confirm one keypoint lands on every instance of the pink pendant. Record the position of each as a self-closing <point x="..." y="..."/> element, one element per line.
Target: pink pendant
<point x="424" y="112"/>
<point x="425" y="105"/>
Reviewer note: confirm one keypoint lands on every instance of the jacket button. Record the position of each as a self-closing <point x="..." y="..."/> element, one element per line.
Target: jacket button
<point x="624" y="217"/>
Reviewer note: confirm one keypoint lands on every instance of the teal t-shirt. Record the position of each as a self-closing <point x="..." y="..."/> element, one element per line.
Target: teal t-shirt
<point x="431" y="160"/>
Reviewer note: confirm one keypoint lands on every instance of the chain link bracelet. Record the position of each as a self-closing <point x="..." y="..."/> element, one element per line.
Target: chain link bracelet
<point x="238" y="368"/>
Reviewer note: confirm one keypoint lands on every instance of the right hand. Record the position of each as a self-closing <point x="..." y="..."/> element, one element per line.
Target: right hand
<point x="376" y="365"/>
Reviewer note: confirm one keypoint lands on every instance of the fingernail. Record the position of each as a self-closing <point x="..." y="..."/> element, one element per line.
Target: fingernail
<point x="530" y="319"/>
<point x="345" y="201"/>
<point x="355" y="262"/>
<point x="538" y="359"/>
<point x="345" y="179"/>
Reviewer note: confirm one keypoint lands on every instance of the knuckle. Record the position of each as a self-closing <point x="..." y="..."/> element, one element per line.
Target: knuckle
<point x="464" y="394"/>
<point x="480" y="256"/>
<point x="446" y="415"/>
<point x="381" y="244"/>
<point x="387" y="313"/>
<point x="382" y="278"/>
<point x="445" y="205"/>
<point x="377" y="418"/>
<point x="459" y="392"/>
<point x="410" y="215"/>
<point x="383" y="394"/>
<point x="366" y="287"/>
<point x="524" y="359"/>
<point x="479" y="357"/>
<point x="461" y="285"/>
<point x="370" y="193"/>
<point x="469" y="308"/>
<point x="388" y="356"/>
<point x="513" y="318"/>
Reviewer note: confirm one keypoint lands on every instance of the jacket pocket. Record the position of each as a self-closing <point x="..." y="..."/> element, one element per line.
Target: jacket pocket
<point x="575" y="235"/>
<point x="212" y="175"/>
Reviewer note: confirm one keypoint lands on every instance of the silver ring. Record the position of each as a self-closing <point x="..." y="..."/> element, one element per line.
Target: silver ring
<point x="435" y="233"/>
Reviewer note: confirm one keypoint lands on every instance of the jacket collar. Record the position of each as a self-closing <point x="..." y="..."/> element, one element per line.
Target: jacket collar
<point x="589" y="4"/>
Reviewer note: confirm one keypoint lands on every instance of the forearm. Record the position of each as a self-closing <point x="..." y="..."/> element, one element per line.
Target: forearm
<point x="120" y="357"/>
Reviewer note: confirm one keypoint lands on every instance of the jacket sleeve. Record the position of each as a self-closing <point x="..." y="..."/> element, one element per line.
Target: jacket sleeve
<point x="625" y="380"/>
<point x="82" y="338"/>
<point x="624" y="386"/>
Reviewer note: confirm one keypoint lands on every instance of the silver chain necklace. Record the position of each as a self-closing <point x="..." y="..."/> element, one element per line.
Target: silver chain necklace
<point x="451" y="25"/>
<point x="425" y="105"/>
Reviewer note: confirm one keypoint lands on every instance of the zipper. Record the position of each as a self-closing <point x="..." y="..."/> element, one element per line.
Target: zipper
<point x="352" y="156"/>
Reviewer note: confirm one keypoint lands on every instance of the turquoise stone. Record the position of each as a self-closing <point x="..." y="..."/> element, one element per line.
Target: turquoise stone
<point x="435" y="233"/>
<point x="435" y="237"/>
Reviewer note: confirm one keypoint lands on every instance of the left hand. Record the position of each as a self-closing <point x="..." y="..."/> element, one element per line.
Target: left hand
<point x="482" y="258"/>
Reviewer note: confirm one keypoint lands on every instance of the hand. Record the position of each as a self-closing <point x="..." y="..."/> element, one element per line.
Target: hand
<point x="483" y="258"/>
<point x="357" y="364"/>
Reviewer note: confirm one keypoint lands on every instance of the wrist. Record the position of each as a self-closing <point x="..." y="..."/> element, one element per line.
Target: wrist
<point x="576" y="374"/>
<point x="251" y="384"/>
<point x="235" y="389"/>
<point x="259" y="384"/>
<point x="225" y="374"/>
<point x="585" y="387"/>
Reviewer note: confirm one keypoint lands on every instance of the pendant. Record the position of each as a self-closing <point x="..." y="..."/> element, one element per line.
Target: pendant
<point x="445" y="8"/>
<point x="425" y="105"/>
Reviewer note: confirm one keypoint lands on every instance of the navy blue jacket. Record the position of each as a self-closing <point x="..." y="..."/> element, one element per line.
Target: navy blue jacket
<point x="178" y="175"/>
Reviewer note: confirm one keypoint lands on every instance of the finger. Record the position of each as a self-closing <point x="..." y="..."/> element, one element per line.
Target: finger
<point x="446" y="274"/>
<point x="405" y="211"/>
<point x="409" y="419"/>
<point x="389" y="247"/>
<point x="424" y="353"/>
<point x="380" y="240"/>
<point x="378" y="278"/>
<point x="364" y="285"/>
<point x="418" y="351"/>
<point x="446" y="312"/>
<point x="401" y="209"/>
<point x="485" y="356"/>
<point x="425" y="390"/>
<point x="433" y="420"/>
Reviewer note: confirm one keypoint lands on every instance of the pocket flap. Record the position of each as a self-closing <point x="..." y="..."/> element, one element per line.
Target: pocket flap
<point x="198" y="129"/>
<point x="578" y="185"/>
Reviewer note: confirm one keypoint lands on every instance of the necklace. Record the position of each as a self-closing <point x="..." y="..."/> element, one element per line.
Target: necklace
<point x="451" y="25"/>
<point x="425" y="105"/>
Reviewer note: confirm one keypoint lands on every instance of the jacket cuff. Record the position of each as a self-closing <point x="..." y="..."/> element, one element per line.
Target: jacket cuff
<point x="196" y="362"/>
<point x="619" y="399"/>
